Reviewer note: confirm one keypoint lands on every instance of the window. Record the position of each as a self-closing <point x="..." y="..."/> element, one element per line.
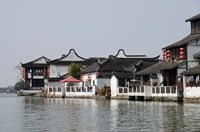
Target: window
<point x="68" y="89"/>
<point x="54" y="89"/>
<point x="195" y="27"/>
<point x="59" y="89"/>
<point x="38" y="83"/>
<point x="29" y="70"/>
<point x="50" y="89"/>
<point x="38" y="70"/>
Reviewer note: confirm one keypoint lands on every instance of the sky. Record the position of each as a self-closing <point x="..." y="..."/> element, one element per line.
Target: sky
<point x="30" y="29"/>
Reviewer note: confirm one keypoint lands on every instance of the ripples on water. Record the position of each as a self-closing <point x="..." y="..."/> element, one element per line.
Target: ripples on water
<point x="24" y="114"/>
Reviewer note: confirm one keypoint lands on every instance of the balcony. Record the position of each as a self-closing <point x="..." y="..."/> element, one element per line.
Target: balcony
<point x="35" y="75"/>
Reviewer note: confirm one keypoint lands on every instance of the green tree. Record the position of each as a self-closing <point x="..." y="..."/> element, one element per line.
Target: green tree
<point x="19" y="85"/>
<point x="74" y="70"/>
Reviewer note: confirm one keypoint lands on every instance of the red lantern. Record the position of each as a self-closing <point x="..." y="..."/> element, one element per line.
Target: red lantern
<point x="181" y="53"/>
<point x="168" y="55"/>
<point x="164" y="54"/>
<point x="44" y="72"/>
<point x="48" y="71"/>
<point x="23" y="72"/>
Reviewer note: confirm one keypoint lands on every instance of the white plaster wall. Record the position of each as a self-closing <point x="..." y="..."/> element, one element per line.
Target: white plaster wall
<point x="74" y="84"/>
<point x="55" y="84"/>
<point x="192" y="92"/>
<point x="46" y="82"/>
<point x="99" y="82"/>
<point x="114" y="86"/>
<point x="198" y="42"/>
<point x="93" y="79"/>
<point x="148" y="91"/>
<point x="62" y="70"/>
<point x="53" y="71"/>
<point x="56" y="70"/>
<point x="180" y="71"/>
<point x="160" y="78"/>
<point x="191" y="50"/>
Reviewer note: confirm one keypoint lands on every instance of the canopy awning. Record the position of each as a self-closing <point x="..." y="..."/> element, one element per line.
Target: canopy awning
<point x="70" y="79"/>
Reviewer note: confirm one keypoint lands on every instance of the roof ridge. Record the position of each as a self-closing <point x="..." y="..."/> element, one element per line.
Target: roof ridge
<point x="38" y="59"/>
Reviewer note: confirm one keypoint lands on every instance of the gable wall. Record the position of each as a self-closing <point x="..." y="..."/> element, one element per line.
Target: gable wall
<point x="193" y="48"/>
<point x="55" y="71"/>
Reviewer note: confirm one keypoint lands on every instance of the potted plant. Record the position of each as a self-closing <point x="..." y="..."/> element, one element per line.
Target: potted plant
<point x="154" y="83"/>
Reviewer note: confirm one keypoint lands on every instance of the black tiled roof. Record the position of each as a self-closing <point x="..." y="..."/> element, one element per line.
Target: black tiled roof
<point x="123" y="74"/>
<point x="184" y="41"/>
<point x="32" y="64"/>
<point x="156" y="68"/>
<point x="130" y="56"/>
<point x="192" y="71"/>
<point x="197" y="55"/>
<point x="193" y="18"/>
<point x="92" y="68"/>
<point x="119" y="64"/>
<point x="114" y="64"/>
<point x="69" y="62"/>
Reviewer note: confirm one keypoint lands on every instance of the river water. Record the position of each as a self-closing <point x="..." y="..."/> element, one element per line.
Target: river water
<point x="35" y="114"/>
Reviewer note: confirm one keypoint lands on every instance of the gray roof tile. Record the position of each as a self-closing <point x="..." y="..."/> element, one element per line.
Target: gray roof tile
<point x="184" y="41"/>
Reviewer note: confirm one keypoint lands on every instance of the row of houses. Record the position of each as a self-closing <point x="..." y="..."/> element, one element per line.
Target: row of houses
<point x="175" y="75"/>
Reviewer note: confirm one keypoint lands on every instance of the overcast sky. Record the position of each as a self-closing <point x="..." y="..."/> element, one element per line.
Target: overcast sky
<point x="30" y="29"/>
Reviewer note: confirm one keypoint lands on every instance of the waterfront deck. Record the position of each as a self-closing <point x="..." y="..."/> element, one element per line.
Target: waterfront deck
<point x="28" y="92"/>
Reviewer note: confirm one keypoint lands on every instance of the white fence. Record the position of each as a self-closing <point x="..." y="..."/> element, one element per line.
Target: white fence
<point x="55" y="91"/>
<point x="122" y="91"/>
<point x="150" y="91"/>
<point x="164" y="91"/>
<point x="71" y="91"/>
<point x="80" y="91"/>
